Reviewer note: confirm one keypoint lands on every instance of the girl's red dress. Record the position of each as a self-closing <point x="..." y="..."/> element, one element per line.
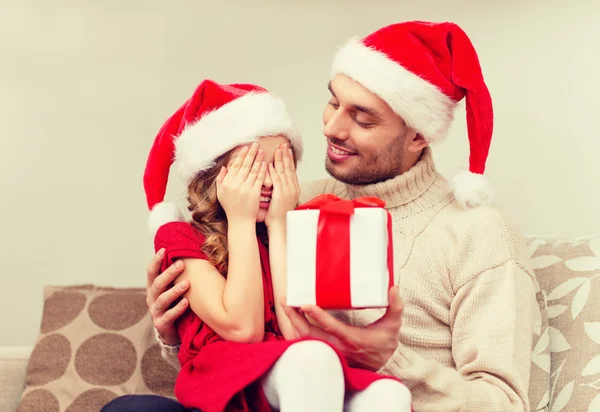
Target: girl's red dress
<point x="217" y="375"/>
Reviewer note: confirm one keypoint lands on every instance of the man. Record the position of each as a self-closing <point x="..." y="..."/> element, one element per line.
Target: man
<point x="460" y="337"/>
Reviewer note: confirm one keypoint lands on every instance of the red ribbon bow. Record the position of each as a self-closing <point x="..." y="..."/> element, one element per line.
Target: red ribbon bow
<point x="333" y="247"/>
<point x="333" y="204"/>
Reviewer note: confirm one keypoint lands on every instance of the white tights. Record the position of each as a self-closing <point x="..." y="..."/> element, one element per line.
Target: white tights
<point x="308" y="377"/>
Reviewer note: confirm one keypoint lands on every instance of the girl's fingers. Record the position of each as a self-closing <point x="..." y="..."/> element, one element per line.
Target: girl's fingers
<point x="288" y="164"/>
<point x="260" y="177"/>
<point x="221" y="175"/>
<point x="248" y="162"/>
<point x="279" y="166"/>
<point x="239" y="159"/>
<point x="256" y="166"/>
<point x="274" y="176"/>
<point x="290" y="169"/>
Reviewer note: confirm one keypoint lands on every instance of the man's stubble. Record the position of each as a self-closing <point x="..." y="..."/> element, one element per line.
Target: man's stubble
<point x="384" y="165"/>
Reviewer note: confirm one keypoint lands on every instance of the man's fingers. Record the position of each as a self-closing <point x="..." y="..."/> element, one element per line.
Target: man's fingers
<point x="175" y="312"/>
<point x="166" y="299"/>
<point x="298" y="321"/>
<point x="396" y="305"/>
<point x="153" y="269"/>
<point x="393" y="313"/>
<point x="305" y="330"/>
<point x="162" y="282"/>
<point x="327" y="322"/>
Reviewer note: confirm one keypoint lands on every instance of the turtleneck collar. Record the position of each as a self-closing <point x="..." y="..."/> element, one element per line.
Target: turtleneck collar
<point x="419" y="188"/>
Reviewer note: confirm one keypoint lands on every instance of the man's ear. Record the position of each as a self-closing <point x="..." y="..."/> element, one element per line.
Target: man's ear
<point x="416" y="142"/>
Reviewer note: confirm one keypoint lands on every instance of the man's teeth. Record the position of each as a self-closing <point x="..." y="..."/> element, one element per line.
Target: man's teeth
<point x="338" y="151"/>
<point x="265" y="198"/>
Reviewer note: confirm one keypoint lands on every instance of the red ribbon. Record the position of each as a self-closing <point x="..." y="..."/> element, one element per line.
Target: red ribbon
<point x="333" y="247"/>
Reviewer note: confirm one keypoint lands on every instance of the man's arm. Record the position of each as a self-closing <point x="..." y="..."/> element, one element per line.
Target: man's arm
<point x="492" y="318"/>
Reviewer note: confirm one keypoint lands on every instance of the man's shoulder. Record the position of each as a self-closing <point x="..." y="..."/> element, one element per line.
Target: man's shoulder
<point x="484" y="233"/>
<point x="313" y="188"/>
<point x="471" y="220"/>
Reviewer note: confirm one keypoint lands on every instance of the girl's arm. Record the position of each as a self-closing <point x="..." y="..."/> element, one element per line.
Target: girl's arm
<point x="232" y="307"/>
<point x="286" y="191"/>
<point x="277" y="260"/>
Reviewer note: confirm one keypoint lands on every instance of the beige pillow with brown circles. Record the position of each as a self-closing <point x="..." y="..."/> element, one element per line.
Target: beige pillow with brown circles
<point x="95" y="344"/>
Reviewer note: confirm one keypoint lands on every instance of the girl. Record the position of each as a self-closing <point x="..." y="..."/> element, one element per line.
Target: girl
<point x="237" y="149"/>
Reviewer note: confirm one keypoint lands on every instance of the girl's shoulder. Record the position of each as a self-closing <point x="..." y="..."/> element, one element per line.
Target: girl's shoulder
<point x="178" y="235"/>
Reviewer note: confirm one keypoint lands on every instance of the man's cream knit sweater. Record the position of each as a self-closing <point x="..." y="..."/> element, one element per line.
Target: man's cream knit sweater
<point x="466" y="336"/>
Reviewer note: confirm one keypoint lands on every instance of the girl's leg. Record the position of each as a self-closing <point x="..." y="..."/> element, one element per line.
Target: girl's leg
<point x="307" y="377"/>
<point x="382" y="395"/>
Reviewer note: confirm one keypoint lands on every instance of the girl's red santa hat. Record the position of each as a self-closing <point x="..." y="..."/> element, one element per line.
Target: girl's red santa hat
<point x="214" y="120"/>
<point x="422" y="70"/>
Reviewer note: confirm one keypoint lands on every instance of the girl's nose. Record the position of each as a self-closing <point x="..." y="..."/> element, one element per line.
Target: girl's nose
<point x="268" y="183"/>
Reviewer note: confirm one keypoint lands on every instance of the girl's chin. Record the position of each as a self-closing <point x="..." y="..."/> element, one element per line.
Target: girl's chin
<point x="262" y="214"/>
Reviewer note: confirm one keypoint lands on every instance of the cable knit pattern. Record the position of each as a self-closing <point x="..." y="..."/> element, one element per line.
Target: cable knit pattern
<point x="466" y="338"/>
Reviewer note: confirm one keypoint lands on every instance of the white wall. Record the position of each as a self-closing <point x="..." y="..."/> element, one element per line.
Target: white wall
<point x="85" y="85"/>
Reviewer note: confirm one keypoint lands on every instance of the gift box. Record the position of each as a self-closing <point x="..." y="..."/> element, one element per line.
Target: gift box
<point x="339" y="253"/>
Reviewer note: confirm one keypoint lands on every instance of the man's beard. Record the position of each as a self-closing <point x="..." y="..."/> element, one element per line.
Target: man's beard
<point x="380" y="167"/>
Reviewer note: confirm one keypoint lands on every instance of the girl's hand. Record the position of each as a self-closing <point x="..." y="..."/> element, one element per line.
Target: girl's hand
<point x="286" y="188"/>
<point x="238" y="188"/>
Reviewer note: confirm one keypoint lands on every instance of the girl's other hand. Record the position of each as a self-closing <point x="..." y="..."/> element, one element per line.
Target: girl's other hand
<point x="286" y="188"/>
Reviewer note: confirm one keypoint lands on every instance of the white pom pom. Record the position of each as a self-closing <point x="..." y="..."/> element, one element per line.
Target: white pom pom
<point x="471" y="189"/>
<point x="161" y="214"/>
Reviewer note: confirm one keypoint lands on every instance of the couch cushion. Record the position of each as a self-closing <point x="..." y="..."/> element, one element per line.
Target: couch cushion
<point x="94" y="344"/>
<point x="539" y="382"/>
<point x="12" y="378"/>
<point x="569" y="276"/>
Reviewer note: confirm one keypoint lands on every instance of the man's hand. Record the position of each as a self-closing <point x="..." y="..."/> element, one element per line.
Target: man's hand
<point x="160" y="296"/>
<point x="369" y="347"/>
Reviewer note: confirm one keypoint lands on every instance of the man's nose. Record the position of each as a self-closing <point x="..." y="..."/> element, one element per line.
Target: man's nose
<point x="336" y="127"/>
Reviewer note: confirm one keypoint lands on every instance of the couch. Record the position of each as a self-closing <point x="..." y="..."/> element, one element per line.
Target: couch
<point x="97" y="343"/>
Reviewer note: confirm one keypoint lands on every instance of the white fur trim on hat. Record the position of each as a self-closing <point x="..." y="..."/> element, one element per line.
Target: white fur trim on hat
<point x="471" y="189"/>
<point x="421" y="104"/>
<point x="240" y="121"/>
<point x="163" y="213"/>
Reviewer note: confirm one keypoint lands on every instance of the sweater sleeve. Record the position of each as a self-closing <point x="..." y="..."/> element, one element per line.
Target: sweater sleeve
<point x="169" y="353"/>
<point x="180" y="240"/>
<point x="492" y="326"/>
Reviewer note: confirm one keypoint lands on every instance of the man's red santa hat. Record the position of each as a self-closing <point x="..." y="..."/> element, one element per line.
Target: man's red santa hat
<point x="214" y="120"/>
<point x="422" y="70"/>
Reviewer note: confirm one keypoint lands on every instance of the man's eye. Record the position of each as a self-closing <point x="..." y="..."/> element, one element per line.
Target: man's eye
<point x="366" y="125"/>
<point x="334" y="104"/>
